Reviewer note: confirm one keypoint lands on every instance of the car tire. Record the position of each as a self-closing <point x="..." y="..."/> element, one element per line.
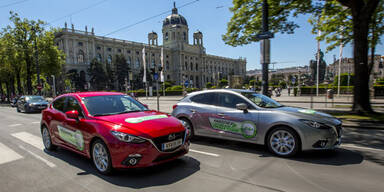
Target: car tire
<point x="18" y="109"/>
<point x="99" y="155"/>
<point x="188" y="125"/>
<point x="283" y="142"/>
<point x="47" y="139"/>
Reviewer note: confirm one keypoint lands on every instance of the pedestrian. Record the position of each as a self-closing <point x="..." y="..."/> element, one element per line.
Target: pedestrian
<point x="289" y="91"/>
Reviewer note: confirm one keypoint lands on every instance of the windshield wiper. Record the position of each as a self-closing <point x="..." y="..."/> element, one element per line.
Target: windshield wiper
<point x="115" y="113"/>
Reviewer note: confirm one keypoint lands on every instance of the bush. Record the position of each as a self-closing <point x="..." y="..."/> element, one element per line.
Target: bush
<point x="208" y="85"/>
<point x="213" y="87"/>
<point x="344" y="79"/>
<point x="177" y="88"/>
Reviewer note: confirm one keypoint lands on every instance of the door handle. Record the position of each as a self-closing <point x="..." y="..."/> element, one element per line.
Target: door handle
<point x="221" y="114"/>
<point x="193" y="111"/>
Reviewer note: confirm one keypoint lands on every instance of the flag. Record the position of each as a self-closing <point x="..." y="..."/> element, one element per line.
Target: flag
<point x="162" y="65"/>
<point x="145" y="67"/>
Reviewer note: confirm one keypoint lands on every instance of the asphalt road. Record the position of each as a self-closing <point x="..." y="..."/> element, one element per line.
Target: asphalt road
<point x="211" y="165"/>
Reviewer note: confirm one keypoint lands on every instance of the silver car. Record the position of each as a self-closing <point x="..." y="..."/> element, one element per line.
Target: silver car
<point x="244" y="115"/>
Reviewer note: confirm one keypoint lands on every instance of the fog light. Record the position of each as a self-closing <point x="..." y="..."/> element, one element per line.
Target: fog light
<point x="132" y="160"/>
<point x="320" y="144"/>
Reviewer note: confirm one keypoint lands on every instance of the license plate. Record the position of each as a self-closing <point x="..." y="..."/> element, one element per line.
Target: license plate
<point x="172" y="144"/>
<point x="42" y="107"/>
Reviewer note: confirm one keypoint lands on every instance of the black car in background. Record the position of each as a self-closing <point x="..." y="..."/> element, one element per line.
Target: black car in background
<point x="31" y="103"/>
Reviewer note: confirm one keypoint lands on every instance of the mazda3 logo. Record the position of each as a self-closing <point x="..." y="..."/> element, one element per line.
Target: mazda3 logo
<point x="171" y="136"/>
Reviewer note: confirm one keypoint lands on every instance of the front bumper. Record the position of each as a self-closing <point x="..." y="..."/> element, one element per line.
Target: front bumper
<point x="323" y="139"/>
<point x="37" y="107"/>
<point x="127" y="155"/>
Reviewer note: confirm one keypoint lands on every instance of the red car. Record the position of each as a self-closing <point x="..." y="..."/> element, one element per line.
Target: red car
<point x="112" y="129"/>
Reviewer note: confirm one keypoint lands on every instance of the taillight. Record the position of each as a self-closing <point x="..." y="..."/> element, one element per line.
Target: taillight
<point x="174" y="106"/>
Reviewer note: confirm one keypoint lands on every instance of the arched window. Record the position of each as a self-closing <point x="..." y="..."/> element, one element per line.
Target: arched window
<point x="184" y="36"/>
<point x="167" y="65"/>
<point x="137" y="64"/>
<point x="80" y="57"/>
<point x="153" y="63"/>
<point x="191" y="66"/>
<point x="99" y="58"/>
<point x="166" y="36"/>
<point x="168" y="78"/>
<point x="197" y="81"/>
<point x="109" y="59"/>
<point x="186" y="66"/>
<point x="197" y="67"/>
<point x="129" y="61"/>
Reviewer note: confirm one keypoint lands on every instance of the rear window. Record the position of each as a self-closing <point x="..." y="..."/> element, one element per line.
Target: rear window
<point x="205" y="98"/>
<point x="58" y="104"/>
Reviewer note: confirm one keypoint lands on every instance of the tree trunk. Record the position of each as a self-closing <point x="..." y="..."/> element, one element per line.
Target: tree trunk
<point x="18" y="80"/>
<point x="8" y="91"/>
<point x="29" y="74"/>
<point x="361" y="100"/>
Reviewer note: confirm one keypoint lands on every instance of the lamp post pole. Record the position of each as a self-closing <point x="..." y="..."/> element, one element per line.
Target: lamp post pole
<point x="265" y="49"/>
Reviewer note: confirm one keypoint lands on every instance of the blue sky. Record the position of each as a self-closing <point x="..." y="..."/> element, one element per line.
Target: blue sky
<point x="208" y="16"/>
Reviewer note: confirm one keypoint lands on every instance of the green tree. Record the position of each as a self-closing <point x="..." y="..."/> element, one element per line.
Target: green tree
<point x="122" y="69"/>
<point x="98" y="76"/>
<point x="23" y="40"/>
<point x="246" y="23"/>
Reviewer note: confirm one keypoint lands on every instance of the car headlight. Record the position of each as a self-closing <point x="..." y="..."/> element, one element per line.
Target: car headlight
<point x="315" y="124"/>
<point x="127" y="138"/>
<point x="31" y="104"/>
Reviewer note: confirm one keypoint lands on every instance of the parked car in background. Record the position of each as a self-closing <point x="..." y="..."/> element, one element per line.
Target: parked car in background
<point x="31" y="103"/>
<point x="244" y="115"/>
<point x="112" y="129"/>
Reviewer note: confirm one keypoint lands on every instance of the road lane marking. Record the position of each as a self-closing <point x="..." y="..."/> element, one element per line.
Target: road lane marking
<point x="15" y="125"/>
<point x="204" y="153"/>
<point x="36" y="122"/>
<point x="30" y="139"/>
<point x="8" y="155"/>
<point x="50" y="164"/>
<point x="364" y="148"/>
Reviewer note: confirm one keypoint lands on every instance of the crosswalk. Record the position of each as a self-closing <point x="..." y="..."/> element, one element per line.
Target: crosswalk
<point x="8" y="155"/>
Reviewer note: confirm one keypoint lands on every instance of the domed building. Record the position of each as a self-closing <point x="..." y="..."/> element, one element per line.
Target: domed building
<point x="182" y="62"/>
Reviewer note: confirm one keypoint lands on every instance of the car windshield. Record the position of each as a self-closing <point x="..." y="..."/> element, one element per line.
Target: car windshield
<point x="112" y="105"/>
<point x="34" y="98"/>
<point x="261" y="100"/>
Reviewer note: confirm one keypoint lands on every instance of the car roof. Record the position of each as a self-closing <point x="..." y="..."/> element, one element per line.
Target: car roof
<point x="222" y="90"/>
<point x="92" y="94"/>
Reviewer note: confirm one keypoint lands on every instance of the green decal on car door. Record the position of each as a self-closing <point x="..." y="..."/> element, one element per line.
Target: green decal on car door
<point x="246" y="128"/>
<point x="73" y="137"/>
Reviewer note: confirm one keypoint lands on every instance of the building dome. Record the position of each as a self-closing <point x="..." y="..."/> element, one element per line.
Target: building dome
<point x="175" y="18"/>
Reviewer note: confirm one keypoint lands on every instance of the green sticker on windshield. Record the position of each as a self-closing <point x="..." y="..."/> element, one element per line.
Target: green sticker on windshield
<point x="246" y="128"/>
<point x="307" y="111"/>
<point x="146" y="118"/>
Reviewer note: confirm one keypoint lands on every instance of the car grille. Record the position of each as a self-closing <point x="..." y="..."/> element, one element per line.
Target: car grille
<point x="163" y="139"/>
<point x="169" y="156"/>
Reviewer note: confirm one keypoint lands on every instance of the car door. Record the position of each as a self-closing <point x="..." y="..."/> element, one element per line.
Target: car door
<point x="56" y="117"/>
<point x="203" y="108"/>
<point x="74" y="131"/>
<point x="234" y="123"/>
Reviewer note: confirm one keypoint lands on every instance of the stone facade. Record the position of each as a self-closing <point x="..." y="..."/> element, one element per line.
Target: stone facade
<point x="182" y="61"/>
<point x="347" y="66"/>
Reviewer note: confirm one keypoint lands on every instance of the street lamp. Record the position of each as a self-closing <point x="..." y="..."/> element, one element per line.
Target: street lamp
<point x="54" y="86"/>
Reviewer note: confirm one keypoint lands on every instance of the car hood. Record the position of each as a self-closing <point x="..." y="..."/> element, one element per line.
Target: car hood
<point x="148" y="124"/>
<point x="310" y="114"/>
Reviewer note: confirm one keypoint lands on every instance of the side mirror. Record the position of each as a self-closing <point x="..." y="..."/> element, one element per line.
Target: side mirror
<point x="146" y="106"/>
<point x="242" y="106"/>
<point x="72" y="114"/>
